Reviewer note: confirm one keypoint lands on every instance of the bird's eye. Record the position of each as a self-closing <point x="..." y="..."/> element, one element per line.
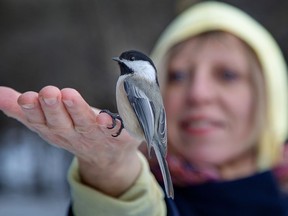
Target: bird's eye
<point x="132" y="58"/>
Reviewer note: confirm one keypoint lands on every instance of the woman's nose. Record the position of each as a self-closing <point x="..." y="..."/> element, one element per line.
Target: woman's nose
<point x="201" y="87"/>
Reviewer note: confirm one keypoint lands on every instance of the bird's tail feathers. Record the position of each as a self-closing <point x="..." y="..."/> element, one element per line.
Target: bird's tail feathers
<point x="165" y="172"/>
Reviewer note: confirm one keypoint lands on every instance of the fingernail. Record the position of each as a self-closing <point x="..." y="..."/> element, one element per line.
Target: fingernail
<point x="68" y="103"/>
<point x="28" y="106"/>
<point x="50" y="101"/>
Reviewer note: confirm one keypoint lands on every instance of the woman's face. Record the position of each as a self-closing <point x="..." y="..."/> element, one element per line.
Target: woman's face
<point x="209" y="100"/>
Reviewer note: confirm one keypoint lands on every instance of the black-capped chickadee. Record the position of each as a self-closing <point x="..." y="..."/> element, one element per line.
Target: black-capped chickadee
<point x="140" y="106"/>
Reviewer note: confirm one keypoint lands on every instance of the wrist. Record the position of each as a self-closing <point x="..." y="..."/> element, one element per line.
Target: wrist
<point x="112" y="179"/>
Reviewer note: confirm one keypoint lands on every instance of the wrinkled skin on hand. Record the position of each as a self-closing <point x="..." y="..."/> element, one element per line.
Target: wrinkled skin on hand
<point x="64" y="119"/>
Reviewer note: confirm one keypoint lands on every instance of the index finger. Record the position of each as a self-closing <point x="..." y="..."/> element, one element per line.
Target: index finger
<point x="9" y="104"/>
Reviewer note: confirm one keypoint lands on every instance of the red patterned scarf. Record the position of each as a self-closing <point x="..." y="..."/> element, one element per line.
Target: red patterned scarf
<point x="183" y="173"/>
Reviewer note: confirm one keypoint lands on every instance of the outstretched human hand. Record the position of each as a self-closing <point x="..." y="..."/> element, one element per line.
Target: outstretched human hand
<point x="64" y="119"/>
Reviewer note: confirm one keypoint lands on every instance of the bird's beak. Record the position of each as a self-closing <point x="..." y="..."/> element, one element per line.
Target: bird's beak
<point x="117" y="59"/>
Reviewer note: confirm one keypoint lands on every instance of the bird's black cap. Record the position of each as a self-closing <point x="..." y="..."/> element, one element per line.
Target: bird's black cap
<point x="134" y="55"/>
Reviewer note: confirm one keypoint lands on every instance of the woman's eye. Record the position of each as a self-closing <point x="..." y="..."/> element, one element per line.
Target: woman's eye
<point x="229" y="75"/>
<point x="177" y="76"/>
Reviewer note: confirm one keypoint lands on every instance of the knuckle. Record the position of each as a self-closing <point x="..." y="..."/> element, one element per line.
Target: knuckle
<point x="84" y="129"/>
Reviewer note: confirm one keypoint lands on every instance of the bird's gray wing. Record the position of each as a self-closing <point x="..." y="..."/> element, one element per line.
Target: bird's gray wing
<point x="144" y="110"/>
<point x="141" y="105"/>
<point x="162" y="131"/>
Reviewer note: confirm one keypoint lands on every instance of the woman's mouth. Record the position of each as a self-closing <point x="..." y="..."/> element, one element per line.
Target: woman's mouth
<point x="199" y="126"/>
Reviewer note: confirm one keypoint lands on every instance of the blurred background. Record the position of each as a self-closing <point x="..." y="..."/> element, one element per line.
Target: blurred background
<point x="70" y="43"/>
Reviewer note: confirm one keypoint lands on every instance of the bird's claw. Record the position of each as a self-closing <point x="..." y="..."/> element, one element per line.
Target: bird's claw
<point x="114" y="116"/>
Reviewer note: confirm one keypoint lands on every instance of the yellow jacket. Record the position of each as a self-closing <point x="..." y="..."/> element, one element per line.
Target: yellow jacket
<point x="144" y="198"/>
